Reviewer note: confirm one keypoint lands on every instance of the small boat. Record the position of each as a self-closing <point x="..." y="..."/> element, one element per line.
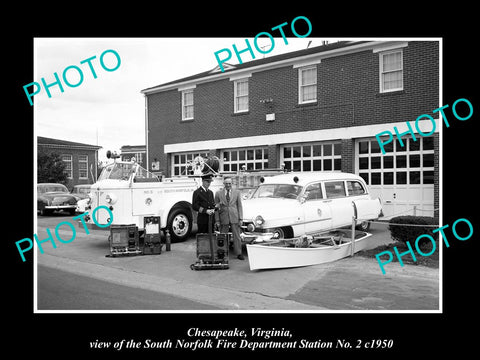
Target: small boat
<point x="305" y="250"/>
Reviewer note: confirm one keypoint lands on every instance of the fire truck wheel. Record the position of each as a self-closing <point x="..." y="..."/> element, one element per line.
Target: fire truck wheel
<point x="179" y="224"/>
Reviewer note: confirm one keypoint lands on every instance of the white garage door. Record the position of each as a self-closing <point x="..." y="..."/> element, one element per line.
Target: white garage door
<point x="320" y="156"/>
<point x="403" y="177"/>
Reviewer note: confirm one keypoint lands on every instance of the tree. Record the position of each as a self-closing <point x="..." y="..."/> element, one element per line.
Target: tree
<point x="50" y="168"/>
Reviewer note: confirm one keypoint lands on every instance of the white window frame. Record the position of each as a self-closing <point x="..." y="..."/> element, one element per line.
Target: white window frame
<point x="300" y="85"/>
<point x="68" y="159"/>
<point x="251" y="164"/>
<point x="396" y="151"/>
<point x="139" y="157"/>
<point x="236" y="110"/>
<point x="86" y="166"/>
<point x="180" y="168"/>
<point x="312" y="157"/>
<point x="381" y="72"/>
<point x="184" y="105"/>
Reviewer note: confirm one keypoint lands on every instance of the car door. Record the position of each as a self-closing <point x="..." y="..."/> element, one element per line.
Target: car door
<point x="366" y="208"/>
<point x="340" y="204"/>
<point x="317" y="212"/>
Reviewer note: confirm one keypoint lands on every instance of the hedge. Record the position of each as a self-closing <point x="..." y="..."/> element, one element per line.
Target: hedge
<point x="410" y="233"/>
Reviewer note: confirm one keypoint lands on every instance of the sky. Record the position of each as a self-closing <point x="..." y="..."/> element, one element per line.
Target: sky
<point x="109" y="110"/>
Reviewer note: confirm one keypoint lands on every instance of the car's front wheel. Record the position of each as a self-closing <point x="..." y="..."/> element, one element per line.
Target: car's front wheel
<point x="282" y="233"/>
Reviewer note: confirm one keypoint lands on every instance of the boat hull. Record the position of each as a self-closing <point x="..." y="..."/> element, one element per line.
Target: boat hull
<point x="274" y="257"/>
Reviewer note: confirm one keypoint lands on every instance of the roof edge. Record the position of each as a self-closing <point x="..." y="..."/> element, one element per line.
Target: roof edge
<point x="350" y="47"/>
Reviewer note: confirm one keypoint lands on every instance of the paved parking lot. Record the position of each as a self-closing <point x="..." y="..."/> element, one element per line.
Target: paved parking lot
<point x="348" y="284"/>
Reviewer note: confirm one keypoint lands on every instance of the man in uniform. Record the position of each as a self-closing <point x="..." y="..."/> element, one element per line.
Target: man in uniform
<point x="203" y="201"/>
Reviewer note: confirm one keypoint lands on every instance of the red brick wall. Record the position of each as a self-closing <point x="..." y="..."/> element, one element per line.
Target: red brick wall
<point x="347" y="95"/>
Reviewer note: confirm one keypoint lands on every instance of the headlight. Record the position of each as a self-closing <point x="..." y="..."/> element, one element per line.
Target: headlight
<point x="259" y="221"/>
<point x="111" y="199"/>
<point x="251" y="227"/>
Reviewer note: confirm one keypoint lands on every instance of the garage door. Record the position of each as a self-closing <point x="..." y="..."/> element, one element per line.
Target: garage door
<point x="321" y="156"/>
<point x="403" y="177"/>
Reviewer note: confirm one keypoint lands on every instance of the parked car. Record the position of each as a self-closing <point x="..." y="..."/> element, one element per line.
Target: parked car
<point x="294" y="204"/>
<point x="83" y="205"/>
<point x="81" y="191"/>
<point x="52" y="197"/>
<point x="247" y="192"/>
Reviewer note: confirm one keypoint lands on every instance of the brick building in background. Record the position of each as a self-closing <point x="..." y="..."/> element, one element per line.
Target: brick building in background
<point x="129" y="152"/>
<point x="80" y="159"/>
<point x="317" y="109"/>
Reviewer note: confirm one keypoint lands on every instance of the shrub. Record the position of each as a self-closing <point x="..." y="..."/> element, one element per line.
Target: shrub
<point x="410" y="233"/>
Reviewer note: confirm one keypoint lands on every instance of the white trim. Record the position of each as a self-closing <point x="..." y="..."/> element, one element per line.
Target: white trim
<point x="187" y="87"/>
<point x="351" y="132"/>
<point x="240" y="76"/>
<point x="390" y="46"/>
<point x="307" y="63"/>
<point x="226" y="66"/>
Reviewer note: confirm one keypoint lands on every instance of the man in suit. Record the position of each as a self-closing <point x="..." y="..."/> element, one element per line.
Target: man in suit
<point x="203" y="201"/>
<point x="230" y="213"/>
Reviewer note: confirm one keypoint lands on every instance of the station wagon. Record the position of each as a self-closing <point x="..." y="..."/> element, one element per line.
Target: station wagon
<point x="295" y="204"/>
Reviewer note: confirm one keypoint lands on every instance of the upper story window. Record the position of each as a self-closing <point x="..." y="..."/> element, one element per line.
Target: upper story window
<point x="240" y="95"/>
<point x="187" y="104"/>
<point x="391" y="71"/>
<point x="307" y="84"/>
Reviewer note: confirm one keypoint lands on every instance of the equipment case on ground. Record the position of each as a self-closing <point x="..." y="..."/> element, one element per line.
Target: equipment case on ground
<point x="212" y="251"/>
<point x="124" y="240"/>
<point x="152" y="244"/>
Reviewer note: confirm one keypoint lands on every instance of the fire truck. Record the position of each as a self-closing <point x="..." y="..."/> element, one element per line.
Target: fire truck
<point x="131" y="193"/>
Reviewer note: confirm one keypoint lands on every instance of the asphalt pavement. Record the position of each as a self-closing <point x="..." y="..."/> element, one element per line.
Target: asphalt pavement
<point x="64" y="290"/>
<point x="350" y="284"/>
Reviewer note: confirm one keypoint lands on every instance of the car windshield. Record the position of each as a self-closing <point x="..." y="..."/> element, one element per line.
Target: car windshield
<point x="117" y="171"/>
<point x="248" y="192"/>
<point x="41" y="189"/>
<point x="285" y="191"/>
<point x="123" y="171"/>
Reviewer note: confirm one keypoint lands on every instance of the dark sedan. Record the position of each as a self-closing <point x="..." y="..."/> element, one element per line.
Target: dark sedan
<point x="52" y="197"/>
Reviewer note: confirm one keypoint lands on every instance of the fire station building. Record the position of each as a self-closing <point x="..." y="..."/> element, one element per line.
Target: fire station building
<point x="316" y="109"/>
